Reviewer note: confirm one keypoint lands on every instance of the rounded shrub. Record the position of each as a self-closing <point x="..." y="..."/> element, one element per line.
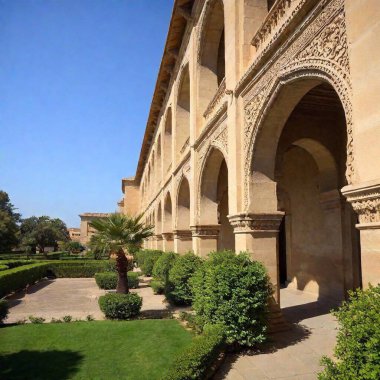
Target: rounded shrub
<point x="157" y="286"/>
<point x="163" y="265"/>
<point x="3" y="310"/>
<point x="232" y="290"/>
<point x="108" y="280"/>
<point x="357" y="353"/>
<point x="179" y="290"/>
<point x="150" y="258"/>
<point x="120" y="306"/>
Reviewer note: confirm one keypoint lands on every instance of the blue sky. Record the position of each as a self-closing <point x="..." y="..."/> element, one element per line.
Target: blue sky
<point x="76" y="82"/>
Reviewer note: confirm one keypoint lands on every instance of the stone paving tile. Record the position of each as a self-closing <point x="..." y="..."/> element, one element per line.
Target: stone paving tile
<point x="294" y="354"/>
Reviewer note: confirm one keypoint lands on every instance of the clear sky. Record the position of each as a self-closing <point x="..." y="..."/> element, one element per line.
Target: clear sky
<point x="76" y="82"/>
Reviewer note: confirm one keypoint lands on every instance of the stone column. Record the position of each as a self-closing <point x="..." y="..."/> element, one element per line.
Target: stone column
<point x="258" y="234"/>
<point x="158" y="243"/>
<point x="205" y="238"/>
<point x="365" y="200"/>
<point x="183" y="241"/>
<point x="168" y="244"/>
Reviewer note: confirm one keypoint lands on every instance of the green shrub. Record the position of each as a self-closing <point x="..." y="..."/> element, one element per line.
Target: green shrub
<point x="195" y="362"/>
<point x="179" y="290"/>
<point x="108" y="280"/>
<point x="36" y="320"/>
<point x="163" y="265"/>
<point x="3" y="310"/>
<point x="157" y="286"/>
<point x="133" y="280"/>
<point x="232" y="290"/>
<point x="120" y="306"/>
<point x="67" y="318"/>
<point x="18" y="278"/>
<point x="3" y="267"/>
<point x="357" y="352"/>
<point x="148" y="258"/>
<point x="16" y="263"/>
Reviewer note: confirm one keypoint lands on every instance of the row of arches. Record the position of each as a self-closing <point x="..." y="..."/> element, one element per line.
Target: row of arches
<point x="298" y="168"/>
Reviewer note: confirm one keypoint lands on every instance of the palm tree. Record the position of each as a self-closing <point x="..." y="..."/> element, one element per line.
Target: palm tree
<point x="117" y="233"/>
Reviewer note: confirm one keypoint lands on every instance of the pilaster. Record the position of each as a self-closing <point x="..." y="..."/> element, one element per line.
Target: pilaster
<point x="365" y="200"/>
<point x="183" y="241"/>
<point x="168" y="241"/>
<point x="205" y="238"/>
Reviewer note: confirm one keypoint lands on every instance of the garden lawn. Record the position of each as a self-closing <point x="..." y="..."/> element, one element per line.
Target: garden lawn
<point x="142" y="349"/>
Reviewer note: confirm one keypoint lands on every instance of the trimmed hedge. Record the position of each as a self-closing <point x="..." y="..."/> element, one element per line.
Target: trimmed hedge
<point x="357" y="352"/>
<point x="163" y="265"/>
<point x="158" y="286"/>
<point x="232" y="290"/>
<point x="120" y="306"/>
<point x="195" y="362"/>
<point x="3" y="310"/>
<point x="19" y="277"/>
<point x="77" y="269"/>
<point x="179" y="290"/>
<point x="16" y="263"/>
<point x="108" y="280"/>
<point x="3" y="267"/>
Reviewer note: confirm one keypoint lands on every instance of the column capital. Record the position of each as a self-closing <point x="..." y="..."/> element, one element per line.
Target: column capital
<point x="185" y="235"/>
<point x="158" y="237"/>
<point x="365" y="200"/>
<point x="168" y="236"/>
<point x="249" y="222"/>
<point x="210" y="231"/>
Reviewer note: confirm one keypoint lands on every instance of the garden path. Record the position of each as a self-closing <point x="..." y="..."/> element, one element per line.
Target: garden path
<point x="294" y="354"/>
<point x="77" y="297"/>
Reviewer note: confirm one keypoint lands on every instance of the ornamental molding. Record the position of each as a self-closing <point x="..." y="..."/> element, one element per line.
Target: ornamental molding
<point x="183" y="235"/>
<point x="217" y="99"/>
<point x="205" y="231"/>
<point x="320" y="50"/>
<point x="249" y="222"/>
<point x="167" y="236"/>
<point x="365" y="201"/>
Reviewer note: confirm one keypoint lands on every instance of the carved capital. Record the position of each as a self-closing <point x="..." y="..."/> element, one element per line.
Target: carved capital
<point x="206" y="231"/>
<point x="158" y="237"/>
<point x="167" y="236"/>
<point x="184" y="235"/>
<point x="247" y="222"/>
<point x="365" y="200"/>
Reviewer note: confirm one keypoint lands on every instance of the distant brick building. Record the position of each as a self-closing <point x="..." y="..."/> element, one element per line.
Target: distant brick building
<point x="86" y="231"/>
<point x="74" y="234"/>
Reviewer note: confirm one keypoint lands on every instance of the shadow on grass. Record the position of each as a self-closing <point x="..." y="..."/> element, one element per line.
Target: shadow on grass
<point x="42" y="365"/>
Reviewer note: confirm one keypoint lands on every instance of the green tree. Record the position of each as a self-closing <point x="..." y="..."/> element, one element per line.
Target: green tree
<point x="41" y="232"/>
<point x="115" y="235"/>
<point x="9" y="220"/>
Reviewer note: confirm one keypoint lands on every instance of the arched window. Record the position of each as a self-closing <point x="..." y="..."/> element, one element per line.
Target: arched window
<point x="167" y="142"/>
<point x="183" y="114"/>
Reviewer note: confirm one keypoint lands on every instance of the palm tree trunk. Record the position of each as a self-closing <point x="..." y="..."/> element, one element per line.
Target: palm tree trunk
<point x="122" y="267"/>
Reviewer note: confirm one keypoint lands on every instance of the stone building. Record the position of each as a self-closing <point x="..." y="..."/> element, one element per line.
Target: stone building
<point x="74" y="234"/>
<point x="263" y="136"/>
<point x="86" y="231"/>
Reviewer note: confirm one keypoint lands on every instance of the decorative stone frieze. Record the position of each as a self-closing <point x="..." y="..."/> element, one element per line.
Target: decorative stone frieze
<point x="248" y="222"/>
<point x="168" y="236"/>
<point x="183" y="235"/>
<point x="318" y="48"/>
<point x="205" y="231"/>
<point x="217" y="99"/>
<point x="158" y="237"/>
<point x="366" y="203"/>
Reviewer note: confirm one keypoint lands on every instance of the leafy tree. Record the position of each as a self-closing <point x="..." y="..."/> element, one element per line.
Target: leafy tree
<point x="72" y="246"/>
<point x="41" y="232"/>
<point x="9" y="219"/>
<point x="118" y="233"/>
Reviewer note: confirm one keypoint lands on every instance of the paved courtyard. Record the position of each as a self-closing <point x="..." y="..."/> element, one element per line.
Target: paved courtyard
<point x="291" y="355"/>
<point x="77" y="297"/>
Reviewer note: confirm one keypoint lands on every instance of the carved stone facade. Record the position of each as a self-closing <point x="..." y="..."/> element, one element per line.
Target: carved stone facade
<point x="263" y="135"/>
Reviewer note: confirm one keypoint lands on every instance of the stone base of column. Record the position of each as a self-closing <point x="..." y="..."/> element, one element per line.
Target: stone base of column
<point x="183" y="241"/>
<point x="205" y="238"/>
<point x="168" y="242"/>
<point x="276" y="321"/>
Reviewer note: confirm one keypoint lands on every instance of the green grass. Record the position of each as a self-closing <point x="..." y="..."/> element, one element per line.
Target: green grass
<point x="138" y="350"/>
